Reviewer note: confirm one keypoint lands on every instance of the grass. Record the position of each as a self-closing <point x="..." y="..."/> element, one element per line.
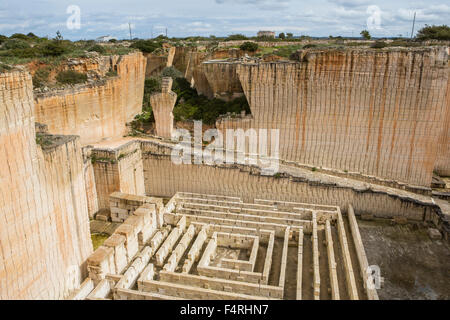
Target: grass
<point x="98" y="239"/>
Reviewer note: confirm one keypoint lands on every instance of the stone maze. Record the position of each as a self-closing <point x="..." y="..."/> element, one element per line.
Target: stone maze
<point x="217" y="247"/>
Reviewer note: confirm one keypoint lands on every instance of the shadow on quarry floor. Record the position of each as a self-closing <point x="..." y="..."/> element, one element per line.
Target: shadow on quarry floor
<point x="413" y="266"/>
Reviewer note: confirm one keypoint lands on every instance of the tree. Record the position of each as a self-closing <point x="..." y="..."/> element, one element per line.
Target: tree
<point x="249" y="46"/>
<point x="59" y="37"/>
<point x="282" y="36"/>
<point x="290" y="35"/>
<point x="365" y="34"/>
<point x="434" y="32"/>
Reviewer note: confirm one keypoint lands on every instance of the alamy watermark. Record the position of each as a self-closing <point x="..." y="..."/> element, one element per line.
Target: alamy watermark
<point x="252" y="147"/>
<point x="374" y="19"/>
<point x="74" y="20"/>
<point x="374" y="278"/>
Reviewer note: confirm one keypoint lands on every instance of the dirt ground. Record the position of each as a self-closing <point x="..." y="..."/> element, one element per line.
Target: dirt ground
<point x="413" y="266"/>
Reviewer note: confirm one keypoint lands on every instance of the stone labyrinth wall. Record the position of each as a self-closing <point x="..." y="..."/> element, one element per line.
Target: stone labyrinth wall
<point x="217" y="247"/>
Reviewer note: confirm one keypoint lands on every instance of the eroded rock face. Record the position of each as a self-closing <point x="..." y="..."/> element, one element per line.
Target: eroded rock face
<point x="223" y="79"/>
<point x="44" y="224"/>
<point x="100" y="110"/>
<point x="443" y="158"/>
<point x="163" y="104"/>
<point x="378" y="113"/>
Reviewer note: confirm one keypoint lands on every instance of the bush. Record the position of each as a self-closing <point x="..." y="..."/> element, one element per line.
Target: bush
<point x="434" y="33"/>
<point x="191" y="106"/>
<point x="111" y="73"/>
<point x="71" y="77"/>
<point x="3" y="39"/>
<point x="98" y="48"/>
<point x="54" y="49"/>
<point x="310" y="45"/>
<point x="378" y="45"/>
<point x="16" y="44"/>
<point x="40" y="77"/>
<point x="19" y="36"/>
<point x="146" y="46"/>
<point x="249" y="46"/>
<point x="171" y="72"/>
<point x="234" y="37"/>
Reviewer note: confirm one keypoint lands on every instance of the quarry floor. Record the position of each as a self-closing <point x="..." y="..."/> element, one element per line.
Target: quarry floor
<point x="413" y="266"/>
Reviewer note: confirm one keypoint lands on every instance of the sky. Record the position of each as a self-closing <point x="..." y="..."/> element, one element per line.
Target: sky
<point x="182" y="18"/>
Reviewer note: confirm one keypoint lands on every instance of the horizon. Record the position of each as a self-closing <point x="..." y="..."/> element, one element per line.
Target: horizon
<point x="203" y="18"/>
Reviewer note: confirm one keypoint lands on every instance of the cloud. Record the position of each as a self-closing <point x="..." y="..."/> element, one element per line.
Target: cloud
<point x="220" y="17"/>
<point x="352" y="3"/>
<point x="260" y="4"/>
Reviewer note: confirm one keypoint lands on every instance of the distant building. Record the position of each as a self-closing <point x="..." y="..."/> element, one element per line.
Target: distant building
<point x="105" y="38"/>
<point x="266" y="34"/>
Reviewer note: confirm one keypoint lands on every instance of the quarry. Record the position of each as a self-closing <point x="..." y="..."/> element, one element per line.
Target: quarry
<point x="357" y="208"/>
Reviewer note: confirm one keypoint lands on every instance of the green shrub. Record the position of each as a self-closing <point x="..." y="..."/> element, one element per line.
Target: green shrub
<point x="146" y="46"/>
<point x="234" y="37"/>
<point x="111" y="73"/>
<point x="71" y="77"/>
<point x="32" y="35"/>
<point x="3" y="39"/>
<point x="54" y="49"/>
<point x="310" y="45"/>
<point x="19" y="36"/>
<point x="40" y="77"/>
<point x="171" y="72"/>
<point x="434" y="33"/>
<point x="249" y="46"/>
<point x="378" y="45"/>
<point x="191" y="106"/>
<point x="98" y="48"/>
<point x="16" y="44"/>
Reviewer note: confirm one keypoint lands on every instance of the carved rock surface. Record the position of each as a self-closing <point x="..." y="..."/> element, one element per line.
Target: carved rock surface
<point x="44" y="223"/>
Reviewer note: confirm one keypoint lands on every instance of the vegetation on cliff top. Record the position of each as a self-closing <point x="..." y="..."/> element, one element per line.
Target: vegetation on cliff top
<point x="22" y="49"/>
<point x="190" y="105"/>
<point x="434" y="33"/>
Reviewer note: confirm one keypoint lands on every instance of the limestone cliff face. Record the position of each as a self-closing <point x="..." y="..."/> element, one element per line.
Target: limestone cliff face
<point x="443" y="159"/>
<point x="157" y="63"/>
<point x="44" y="223"/>
<point x="222" y="79"/>
<point x="203" y="78"/>
<point x="98" y="111"/>
<point x="377" y="113"/>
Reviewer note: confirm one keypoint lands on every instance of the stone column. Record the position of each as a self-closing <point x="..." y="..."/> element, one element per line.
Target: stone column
<point x="162" y="104"/>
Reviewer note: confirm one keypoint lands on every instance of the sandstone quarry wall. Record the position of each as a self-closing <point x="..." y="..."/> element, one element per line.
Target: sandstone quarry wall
<point x="443" y="159"/>
<point x="97" y="111"/>
<point x="163" y="178"/>
<point x="223" y="80"/>
<point x="190" y="62"/>
<point x="44" y="222"/>
<point x="157" y="63"/>
<point x="118" y="170"/>
<point x="377" y="113"/>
